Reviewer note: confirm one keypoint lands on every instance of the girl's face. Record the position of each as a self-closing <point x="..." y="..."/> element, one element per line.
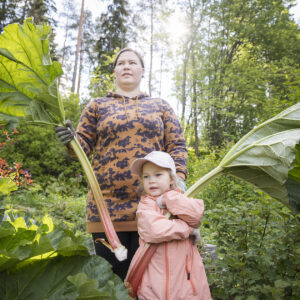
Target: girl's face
<point x="128" y="71"/>
<point x="156" y="180"/>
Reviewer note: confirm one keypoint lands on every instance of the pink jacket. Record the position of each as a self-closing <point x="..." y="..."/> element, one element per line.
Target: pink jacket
<point x="176" y="270"/>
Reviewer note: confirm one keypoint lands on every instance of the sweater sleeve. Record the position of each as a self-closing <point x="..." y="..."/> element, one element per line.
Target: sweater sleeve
<point x="87" y="128"/>
<point x="154" y="227"/>
<point x="174" y="140"/>
<point x="187" y="209"/>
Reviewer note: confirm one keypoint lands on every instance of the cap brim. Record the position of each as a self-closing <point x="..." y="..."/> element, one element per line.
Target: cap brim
<point x="137" y="165"/>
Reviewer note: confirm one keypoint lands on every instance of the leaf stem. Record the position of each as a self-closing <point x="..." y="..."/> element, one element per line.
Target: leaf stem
<point x="203" y="181"/>
<point x="101" y="205"/>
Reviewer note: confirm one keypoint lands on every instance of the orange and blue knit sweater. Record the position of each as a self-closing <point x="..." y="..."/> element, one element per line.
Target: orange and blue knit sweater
<point x="116" y="130"/>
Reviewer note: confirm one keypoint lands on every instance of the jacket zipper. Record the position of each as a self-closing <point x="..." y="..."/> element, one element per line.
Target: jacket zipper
<point x="167" y="272"/>
<point x="188" y="274"/>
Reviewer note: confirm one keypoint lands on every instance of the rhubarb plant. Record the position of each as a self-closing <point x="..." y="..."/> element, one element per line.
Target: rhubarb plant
<point x="44" y="261"/>
<point x="28" y="90"/>
<point x="268" y="157"/>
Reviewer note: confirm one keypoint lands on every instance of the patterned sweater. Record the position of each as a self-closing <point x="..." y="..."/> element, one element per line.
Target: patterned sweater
<point x="116" y="130"/>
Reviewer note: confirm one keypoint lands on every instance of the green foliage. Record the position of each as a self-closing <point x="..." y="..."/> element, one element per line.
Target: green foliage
<point x="241" y="67"/>
<point x="73" y="108"/>
<point x="112" y="31"/>
<point x="257" y="239"/>
<point x="42" y="261"/>
<point x="102" y="82"/>
<point x="37" y="150"/>
<point x="63" y="200"/>
<point x="258" y="249"/>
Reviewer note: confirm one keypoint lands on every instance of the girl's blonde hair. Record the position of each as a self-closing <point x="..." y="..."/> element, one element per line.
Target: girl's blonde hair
<point x="141" y="191"/>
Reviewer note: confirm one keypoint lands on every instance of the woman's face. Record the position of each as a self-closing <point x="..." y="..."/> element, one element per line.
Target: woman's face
<point x="128" y="71"/>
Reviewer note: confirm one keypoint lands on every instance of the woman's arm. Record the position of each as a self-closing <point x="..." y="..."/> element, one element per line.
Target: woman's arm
<point x="174" y="140"/>
<point x="87" y="128"/>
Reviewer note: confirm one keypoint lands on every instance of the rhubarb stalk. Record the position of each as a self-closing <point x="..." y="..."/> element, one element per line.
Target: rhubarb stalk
<point x="114" y="243"/>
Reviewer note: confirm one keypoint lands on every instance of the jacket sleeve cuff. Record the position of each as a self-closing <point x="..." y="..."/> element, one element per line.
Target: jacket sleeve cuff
<point x="181" y="175"/>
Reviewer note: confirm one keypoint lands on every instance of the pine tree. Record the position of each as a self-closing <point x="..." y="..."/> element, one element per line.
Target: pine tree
<point x="112" y="31"/>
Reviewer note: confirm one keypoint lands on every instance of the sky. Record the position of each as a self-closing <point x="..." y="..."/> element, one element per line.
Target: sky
<point x="100" y="5"/>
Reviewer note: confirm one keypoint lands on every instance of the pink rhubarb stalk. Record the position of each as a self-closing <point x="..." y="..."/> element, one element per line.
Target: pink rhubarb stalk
<point x="114" y="243"/>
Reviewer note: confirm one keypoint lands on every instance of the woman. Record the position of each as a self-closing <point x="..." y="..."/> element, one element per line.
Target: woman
<point x="117" y="129"/>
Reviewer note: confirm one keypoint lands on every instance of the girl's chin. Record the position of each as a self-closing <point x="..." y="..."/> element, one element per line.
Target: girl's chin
<point x="154" y="193"/>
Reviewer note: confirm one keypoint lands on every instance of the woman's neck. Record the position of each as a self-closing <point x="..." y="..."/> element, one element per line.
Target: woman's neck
<point x="127" y="93"/>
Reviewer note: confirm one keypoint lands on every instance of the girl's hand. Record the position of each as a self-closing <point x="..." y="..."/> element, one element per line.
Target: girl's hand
<point x="196" y="236"/>
<point x="159" y="202"/>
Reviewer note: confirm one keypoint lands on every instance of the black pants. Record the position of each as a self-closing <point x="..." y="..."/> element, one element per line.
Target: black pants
<point x="130" y="240"/>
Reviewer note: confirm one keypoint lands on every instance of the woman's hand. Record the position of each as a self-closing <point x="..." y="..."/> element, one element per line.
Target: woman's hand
<point x="181" y="184"/>
<point x="65" y="134"/>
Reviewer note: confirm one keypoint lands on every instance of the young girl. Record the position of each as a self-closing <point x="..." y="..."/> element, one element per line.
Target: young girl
<point x="175" y="270"/>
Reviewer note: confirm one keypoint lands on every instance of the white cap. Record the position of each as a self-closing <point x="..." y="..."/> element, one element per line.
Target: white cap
<point x="159" y="158"/>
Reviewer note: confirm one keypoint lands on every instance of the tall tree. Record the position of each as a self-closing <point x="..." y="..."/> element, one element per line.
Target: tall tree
<point x="8" y="13"/>
<point x="78" y="46"/>
<point x="152" y="9"/>
<point x="68" y="22"/>
<point x="112" y="32"/>
<point x="241" y="63"/>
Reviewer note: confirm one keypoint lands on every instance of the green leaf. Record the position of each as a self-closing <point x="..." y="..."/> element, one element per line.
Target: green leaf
<point x="63" y="278"/>
<point x="47" y="262"/>
<point x="268" y="157"/>
<point x="7" y="185"/>
<point x="86" y="287"/>
<point x="28" y="77"/>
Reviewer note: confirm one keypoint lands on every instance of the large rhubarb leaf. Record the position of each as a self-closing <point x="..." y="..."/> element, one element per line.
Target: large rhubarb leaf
<point x="28" y="76"/>
<point x="268" y="157"/>
<point x="48" y="262"/>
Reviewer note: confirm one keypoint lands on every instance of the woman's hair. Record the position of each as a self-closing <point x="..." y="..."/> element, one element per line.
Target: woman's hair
<point x="129" y="50"/>
<point x="175" y="179"/>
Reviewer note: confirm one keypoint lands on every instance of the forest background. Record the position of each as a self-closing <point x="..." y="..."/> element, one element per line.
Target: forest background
<point x="226" y="66"/>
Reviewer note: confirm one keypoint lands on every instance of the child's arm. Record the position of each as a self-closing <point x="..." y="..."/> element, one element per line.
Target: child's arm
<point x="189" y="210"/>
<point x="154" y="227"/>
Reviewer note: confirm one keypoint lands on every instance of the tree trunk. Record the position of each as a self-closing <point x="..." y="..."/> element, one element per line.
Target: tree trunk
<point x="79" y="73"/>
<point x="183" y="86"/>
<point x="64" y="46"/>
<point x="78" y="46"/>
<point x="161" y="71"/>
<point x="195" y="107"/>
<point x="24" y="11"/>
<point x="151" y="49"/>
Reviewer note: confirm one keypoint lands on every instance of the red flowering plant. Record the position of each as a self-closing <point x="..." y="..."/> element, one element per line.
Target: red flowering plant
<point x="11" y="177"/>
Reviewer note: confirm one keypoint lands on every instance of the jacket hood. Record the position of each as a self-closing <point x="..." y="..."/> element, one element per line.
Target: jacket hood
<point x="124" y="98"/>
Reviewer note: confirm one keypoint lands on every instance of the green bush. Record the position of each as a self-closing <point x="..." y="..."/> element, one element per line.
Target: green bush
<point x="257" y="238"/>
<point x="37" y="149"/>
<point x="63" y="201"/>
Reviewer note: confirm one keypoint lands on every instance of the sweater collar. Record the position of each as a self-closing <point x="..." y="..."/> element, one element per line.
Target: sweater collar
<point x="117" y="96"/>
